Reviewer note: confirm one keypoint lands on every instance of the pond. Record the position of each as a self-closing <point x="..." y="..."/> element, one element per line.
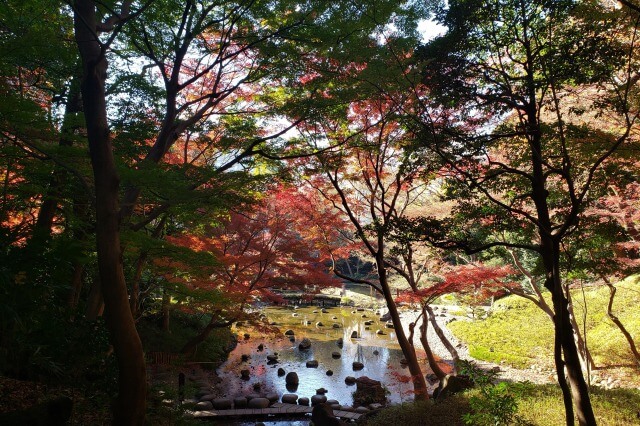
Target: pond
<point x="380" y="355"/>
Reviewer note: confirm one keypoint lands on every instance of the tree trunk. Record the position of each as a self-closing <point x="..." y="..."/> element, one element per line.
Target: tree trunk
<point x="191" y="346"/>
<point x="76" y="285"/>
<point x="419" y="383"/>
<point x="134" y="298"/>
<point x="166" y="305"/>
<point x="130" y="406"/>
<point x="583" y="350"/>
<point x="443" y="338"/>
<point x="433" y="364"/>
<point x="95" y="303"/>
<point x="618" y="323"/>
<point x="569" y="357"/>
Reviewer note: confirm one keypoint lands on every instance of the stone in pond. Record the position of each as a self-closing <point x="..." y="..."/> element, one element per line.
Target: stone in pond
<point x="340" y="342"/>
<point x="368" y="322"/>
<point x="312" y="363"/>
<point x="289" y="332"/>
<point x="303" y="401"/>
<point x="329" y="373"/>
<point x="292" y="339"/>
<point x="246" y="336"/>
<point x="222" y="403"/>
<point x="389" y="324"/>
<point x="319" y="324"/>
<point x="376" y="352"/>
<point x="335" y="355"/>
<point x="240" y="402"/>
<point x="260" y="347"/>
<point x="307" y="322"/>
<point x="318" y="399"/>
<point x="354" y="334"/>
<point x="289" y="398"/>
<point x="380" y="332"/>
<point x="272" y="358"/>
<point x="350" y="380"/>
<point x="362" y="410"/>
<point x="244" y="374"/>
<point x="295" y="314"/>
<point x="363" y="316"/>
<point x="321" y="391"/>
<point x="259" y="403"/>
<point x="204" y="405"/>
<point x="281" y="372"/>
<point x="334" y="318"/>
<point x="292" y="378"/>
<point x="357" y="366"/>
<point x="324" y="311"/>
<point x="244" y="357"/>
<point x="304" y="344"/>
<point x="336" y="325"/>
<point x="272" y="397"/>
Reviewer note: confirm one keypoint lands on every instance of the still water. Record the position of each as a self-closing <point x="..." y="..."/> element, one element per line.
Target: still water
<point x="380" y="355"/>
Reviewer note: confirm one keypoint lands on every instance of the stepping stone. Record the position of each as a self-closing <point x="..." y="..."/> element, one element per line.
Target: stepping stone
<point x="318" y="399"/>
<point x="380" y="332"/>
<point x="303" y="401"/>
<point x="350" y="380"/>
<point x="347" y="408"/>
<point x="223" y="403"/>
<point x="354" y="334"/>
<point x="204" y="405"/>
<point x="335" y="355"/>
<point x="239" y="402"/>
<point x="362" y="410"/>
<point x="258" y="403"/>
<point x="336" y="325"/>
<point x="357" y="366"/>
<point x="272" y="397"/>
<point x="375" y="406"/>
<point x="312" y="363"/>
<point x="281" y="372"/>
<point x="329" y="373"/>
<point x="332" y="401"/>
<point x="289" y="332"/>
<point x="289" y="398"/>
<point x="207" y="397"/>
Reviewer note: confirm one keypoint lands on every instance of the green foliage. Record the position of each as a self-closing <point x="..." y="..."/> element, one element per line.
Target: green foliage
<point x="496" y="405"/>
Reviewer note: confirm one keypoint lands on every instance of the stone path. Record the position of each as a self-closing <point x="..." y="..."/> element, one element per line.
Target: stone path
<point x="276" y="409"/>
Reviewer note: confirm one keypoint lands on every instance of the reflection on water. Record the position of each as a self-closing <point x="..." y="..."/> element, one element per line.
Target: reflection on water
<point x="379" y="353"/>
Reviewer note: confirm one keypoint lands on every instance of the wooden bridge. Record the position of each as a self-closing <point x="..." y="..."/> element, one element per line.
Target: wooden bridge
<point x="278" y="409"/>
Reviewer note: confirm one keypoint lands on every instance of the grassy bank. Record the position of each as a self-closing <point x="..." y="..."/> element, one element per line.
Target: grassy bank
<point x="539" y="405"/>
<point x="520" y="334"/>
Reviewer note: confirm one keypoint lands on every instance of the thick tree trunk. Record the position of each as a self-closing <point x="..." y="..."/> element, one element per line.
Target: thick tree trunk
<point x="130" y="407"/>
<point x="419" y="383"/>
<point x="570" y="360"/>
<point x="433" y="364"/>
<point x="443" y="338"/>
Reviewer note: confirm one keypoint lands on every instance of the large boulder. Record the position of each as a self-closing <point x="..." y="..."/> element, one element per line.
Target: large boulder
<point x="292" y="378"/>
<point x="350" y="380"/>
<point x="357" y="366"/>
<point x="322" y="415"/>
<point x="281" y="372"/>
<point x="368" y="391"/>
<point x="259" y="403"/>
<point x="304" y="344"/>
<point x="450" y="385"/>
<point x="303" y="401"/>
<point x="289" y="333"/>
<point x="239" y="402"/>
<point x="289" y="398"/>
<point x="312" y="363"/>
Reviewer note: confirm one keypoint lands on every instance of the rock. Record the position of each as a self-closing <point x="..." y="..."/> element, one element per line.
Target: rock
<point x="389" y="324"/>
<point x="294" y="314"/>
<point x="203" y="406"/>
<point x="322" y="415"/>
<point x="335" y="355"/>
<point x="340" y="342"/>
<point x="303" y="401"/>
<point x="321" y="391"/>
<point x="260" y="347"/>
<point x="357" y="366"/>
<point x="368" y="322"/>
<point x="208" y="397"/>
<point x="244" y="357"/>
<point x="292" y="378"/>
<point x="289" y="398"/>
<point x="222" y="403"/>
<point x="334" y="317"/>
<point x="257" y="386"/>
<point x="348" y="408"/>
<point x="332" y="401"/>
<point x="272" y="358"/>
<point x="244" y="374"/>
<point x="239" y="402"/>
<point x="336" y="325"/>
<point x="292" y="339"/>
<point x="324" y="311"/>
<point x="272" y="397"/>
<point x="363" y="316"/>
<point x="246" y="336"/>
<point x="281" y="372"/>
<point x="380" y="332"/>
<point x="314" y="312"/>
<point x="329" y="373"/>
<point x="451" y="385"/>
<point x="375" y="406"/>
<point x="376" y="352"/>
<point x="318" y="399"/>
<point x="319" y="324"/>
<point x="304" y="344"/>
<point x="368" y="391"/>
<point x="360" y="309"/>
<point x="385" y="317"/>
<point x="289" y="333"/>
<point x="361" y="410"/>
<point x="335" y="406"/>
<point x="307" y="322"/>
<point x="350" y="380"/>
<point x="258" y="403"/>
<point x="273" y="323"/>
<point x="354" y="334"/>
<point x="367" y="327"/>
<point x="312" y="363"/>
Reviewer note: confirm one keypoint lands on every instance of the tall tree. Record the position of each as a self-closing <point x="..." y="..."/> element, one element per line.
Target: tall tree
<point x="503" y="64"/>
